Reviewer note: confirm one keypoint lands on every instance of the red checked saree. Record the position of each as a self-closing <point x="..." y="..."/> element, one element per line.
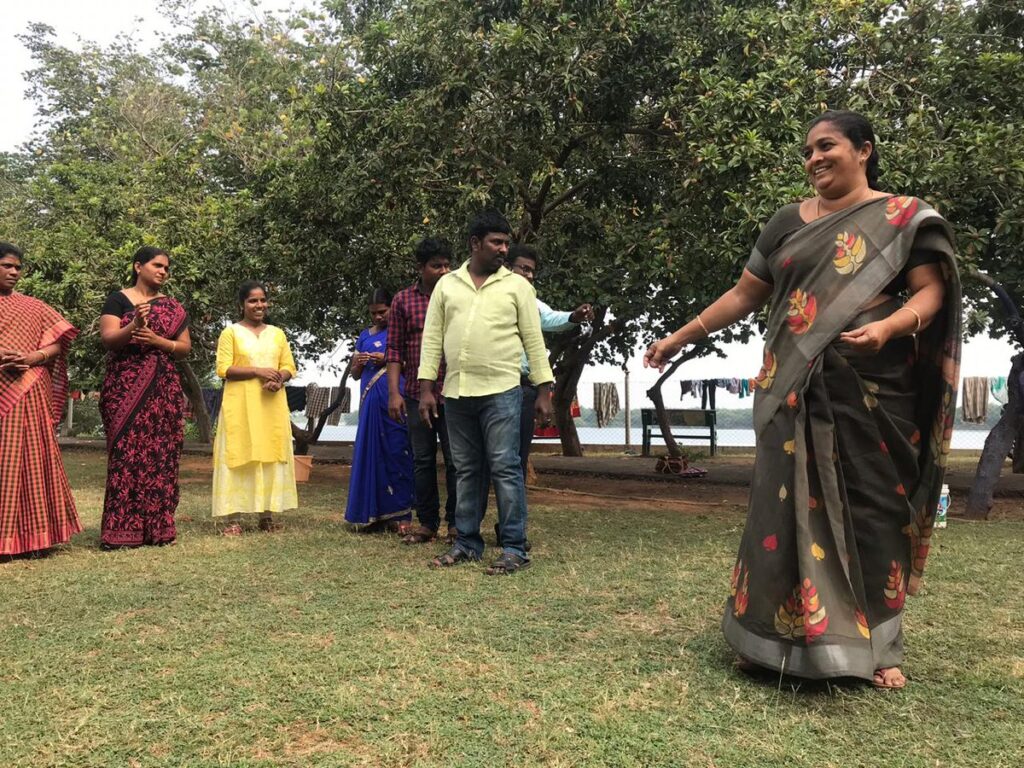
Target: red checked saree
<point x="37" y="510"/>
<point x="851" y="449"/>
<point x="143" y="411"/>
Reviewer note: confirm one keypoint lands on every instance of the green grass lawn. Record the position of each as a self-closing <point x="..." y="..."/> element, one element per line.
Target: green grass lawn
<point x="320" y="647"/>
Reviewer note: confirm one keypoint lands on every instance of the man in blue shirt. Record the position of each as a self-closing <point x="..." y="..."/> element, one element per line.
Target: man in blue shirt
<point x="524" y="260"/>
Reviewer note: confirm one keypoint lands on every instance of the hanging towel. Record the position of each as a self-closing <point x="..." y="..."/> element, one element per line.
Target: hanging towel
<point x="997" y="387"/>
<point x="317" y="400"/>
<point x="975" y="399"/>
<point x="744" y="388"/>
<point x="606" y="403"/>
<point x="335" y="418"/>
<point x="733" y="386"/>
<point x="296" y="398"/>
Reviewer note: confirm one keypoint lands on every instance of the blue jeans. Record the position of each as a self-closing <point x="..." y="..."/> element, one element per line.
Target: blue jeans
<point x="424" y="439"/>
<point x="484" y="433"/>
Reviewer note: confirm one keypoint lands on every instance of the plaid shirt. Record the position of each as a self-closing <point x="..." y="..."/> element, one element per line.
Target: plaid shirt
<point x="405" y="336"/>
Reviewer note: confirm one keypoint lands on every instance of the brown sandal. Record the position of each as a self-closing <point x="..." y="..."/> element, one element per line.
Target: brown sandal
<point x="421" y="535"/>
<point x="453" y="556"/>
<point x="893" y="683"/>
<point x="270" y="526"/>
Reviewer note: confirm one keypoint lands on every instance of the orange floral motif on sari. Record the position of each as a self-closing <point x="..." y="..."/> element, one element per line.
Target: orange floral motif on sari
<point x="900" y="210"/>
<point x="766" y="375"/>
<point x="802" y="615"/>
<point x="895" y="590"/>
<point x="803" y="309"/>
<point x="740" y="589"/>
<point x="850" y="253"/>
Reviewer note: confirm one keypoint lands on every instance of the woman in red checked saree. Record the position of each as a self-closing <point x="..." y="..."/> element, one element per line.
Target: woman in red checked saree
<point x="37" y="510"/>
<point x="142" y="405"/>
<point x="853" y="413"/>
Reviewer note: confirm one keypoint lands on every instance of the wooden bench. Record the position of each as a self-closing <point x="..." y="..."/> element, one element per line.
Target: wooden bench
<point x="688" y="423"/>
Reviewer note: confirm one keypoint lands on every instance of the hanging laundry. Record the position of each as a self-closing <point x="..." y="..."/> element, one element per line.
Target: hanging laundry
<point x="744" y="388"/>
<point x="296" y="398"/>
<point x="346" y="403"/>
<point x="733" y="386"/>
<point x="606" y="402"/>
<point x="707" y="393"/>
<point x="975" y="399"/>
<point x="997" y="386"/>
<point x="317" y="400"/>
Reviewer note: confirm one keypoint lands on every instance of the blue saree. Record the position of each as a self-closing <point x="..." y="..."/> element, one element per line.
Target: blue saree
<point x="381" y="486"/>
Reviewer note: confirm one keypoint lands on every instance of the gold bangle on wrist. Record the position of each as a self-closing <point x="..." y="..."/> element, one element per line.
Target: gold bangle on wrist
<point x="915" y="314"/>
<point x="702" y="326"/>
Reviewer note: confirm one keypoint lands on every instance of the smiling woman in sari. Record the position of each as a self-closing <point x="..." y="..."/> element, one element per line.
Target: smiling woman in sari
<point x="853" y="413"/>
<point x="142" y="405"/>
<point x="37" y="510"/>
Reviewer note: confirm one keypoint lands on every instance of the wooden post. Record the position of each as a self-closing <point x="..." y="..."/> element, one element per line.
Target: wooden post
<point x="628" y="417"/>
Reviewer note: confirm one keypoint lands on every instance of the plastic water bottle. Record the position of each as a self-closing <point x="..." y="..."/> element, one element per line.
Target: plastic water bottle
<point x="943" y="508"/>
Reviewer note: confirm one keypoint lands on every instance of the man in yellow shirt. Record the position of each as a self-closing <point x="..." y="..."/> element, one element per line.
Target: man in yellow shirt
<point x="482" y="317"/>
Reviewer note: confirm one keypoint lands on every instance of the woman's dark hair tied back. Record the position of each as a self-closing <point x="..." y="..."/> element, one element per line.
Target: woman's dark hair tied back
<point x="10" y="249"/>
<point x="857" y="128"/>
<point x="380" y="295"/>
<point x="248" y="287"/>
<point x="144" y="255"/>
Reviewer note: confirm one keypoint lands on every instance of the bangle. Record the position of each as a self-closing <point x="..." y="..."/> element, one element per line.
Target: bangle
<point x="702" y="326"/>
<point x="914" y="312"/>
<point x="174" y="348"/>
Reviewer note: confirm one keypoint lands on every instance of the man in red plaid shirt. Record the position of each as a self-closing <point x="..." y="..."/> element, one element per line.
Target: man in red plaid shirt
<point x="405" y="337"/>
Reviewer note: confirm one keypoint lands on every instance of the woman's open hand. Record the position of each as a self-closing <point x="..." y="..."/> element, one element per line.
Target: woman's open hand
<point x="868" y="339"/>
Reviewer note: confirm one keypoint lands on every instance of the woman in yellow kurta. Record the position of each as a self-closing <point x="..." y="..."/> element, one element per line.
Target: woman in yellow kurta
<point x="253" y="469"/>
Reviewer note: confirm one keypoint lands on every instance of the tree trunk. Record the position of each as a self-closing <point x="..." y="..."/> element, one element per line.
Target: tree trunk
<point x="998" y="444"/>
<point x="1009" y="430"/>
<point x="304" y="438"/>
<point x="655" y="396"/>
<point x="194" y="393"/>
<point x="564" y="394"/>
<point x="570" y="354"/>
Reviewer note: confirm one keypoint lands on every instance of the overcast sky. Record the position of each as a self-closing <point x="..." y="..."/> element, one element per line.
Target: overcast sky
<point x="102" y="20"/>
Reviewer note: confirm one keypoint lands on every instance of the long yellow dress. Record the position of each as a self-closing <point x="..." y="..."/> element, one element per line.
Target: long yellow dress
<point x="253" y="468"/>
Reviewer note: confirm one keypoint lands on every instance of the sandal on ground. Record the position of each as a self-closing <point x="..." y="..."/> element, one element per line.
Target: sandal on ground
<point x="270" y="526"/>
<point x="231" y="530"/>
<point x="421" y="535"/>
<point x="401" y="527"/>
<point x="507" y="564"/>
<point x="889" y="679"/>
<point x="453" y="556"/>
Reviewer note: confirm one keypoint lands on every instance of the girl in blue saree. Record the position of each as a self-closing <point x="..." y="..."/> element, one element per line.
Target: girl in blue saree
<point x="380" y="491"/>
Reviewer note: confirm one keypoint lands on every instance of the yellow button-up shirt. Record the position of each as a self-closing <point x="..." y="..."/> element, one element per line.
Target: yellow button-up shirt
<point x="483" y="333"/>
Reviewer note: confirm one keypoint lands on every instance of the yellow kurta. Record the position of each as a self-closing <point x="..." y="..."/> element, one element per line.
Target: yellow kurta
<point x="253" y="470"/>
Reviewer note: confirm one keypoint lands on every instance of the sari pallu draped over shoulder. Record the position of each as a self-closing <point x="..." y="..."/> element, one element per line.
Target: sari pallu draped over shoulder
<point x="143" y="411"/>
<point x="851" y="448"/>
<point x="37" y="510"/>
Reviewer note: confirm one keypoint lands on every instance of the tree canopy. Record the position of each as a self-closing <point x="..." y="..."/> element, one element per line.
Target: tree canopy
<point x="640" y="144"/>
